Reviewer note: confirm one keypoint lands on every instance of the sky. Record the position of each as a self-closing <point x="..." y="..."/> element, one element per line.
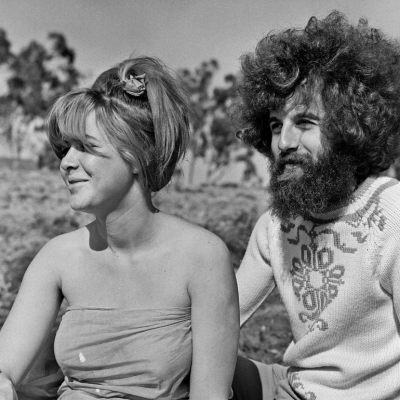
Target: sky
<point x="182" y="33"/>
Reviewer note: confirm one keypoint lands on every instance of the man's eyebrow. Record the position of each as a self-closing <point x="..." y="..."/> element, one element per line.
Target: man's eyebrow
<point x="273" y="119"/>
<point x="308" y="114"/>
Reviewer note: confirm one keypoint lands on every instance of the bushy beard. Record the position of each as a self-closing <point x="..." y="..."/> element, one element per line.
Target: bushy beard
<point x="300" y="186"/>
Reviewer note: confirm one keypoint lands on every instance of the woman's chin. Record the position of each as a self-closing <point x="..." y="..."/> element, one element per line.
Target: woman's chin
<point x="77" y="206"/>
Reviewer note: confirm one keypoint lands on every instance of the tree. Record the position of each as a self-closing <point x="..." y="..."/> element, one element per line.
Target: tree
<point x="5" y="47"/>
<point x="37" y="75"/>
<point x="198" y="83"/>
<point x="214" y="134"/>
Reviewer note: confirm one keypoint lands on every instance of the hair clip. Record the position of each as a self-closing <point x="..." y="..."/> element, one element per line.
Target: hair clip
<point x="135" y="85"/>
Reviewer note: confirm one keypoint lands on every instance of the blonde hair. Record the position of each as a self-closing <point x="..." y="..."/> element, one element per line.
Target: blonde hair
<point x="150" y="131"/>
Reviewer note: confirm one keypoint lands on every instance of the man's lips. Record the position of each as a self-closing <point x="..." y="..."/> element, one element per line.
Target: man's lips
<point x="290" y="162"/>
<point x="288" y="165"/>
<point x="289" y="169"/>
<point x="292" y="165"/>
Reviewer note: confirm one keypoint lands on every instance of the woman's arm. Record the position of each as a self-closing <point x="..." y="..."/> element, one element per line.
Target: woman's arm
<point x="215" y="322"/>
<point x="32" y="315"/>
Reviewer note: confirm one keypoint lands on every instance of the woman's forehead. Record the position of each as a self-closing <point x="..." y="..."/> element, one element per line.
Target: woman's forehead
<point x="92" y="127"/>
<point x="94" y="130"/>
<point x="71" y="121"/>
<point x="84" y="126"/>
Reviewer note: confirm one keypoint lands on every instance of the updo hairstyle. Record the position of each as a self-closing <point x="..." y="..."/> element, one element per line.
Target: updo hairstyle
<point x="149" y="130"/>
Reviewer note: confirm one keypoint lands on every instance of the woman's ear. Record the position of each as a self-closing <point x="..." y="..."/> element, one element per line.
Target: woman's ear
<point x="134" y="165"/>
<point x="132" y="161"/>
<point x="135" y="169"/>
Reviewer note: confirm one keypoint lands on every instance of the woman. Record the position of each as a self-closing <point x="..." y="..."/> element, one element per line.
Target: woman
<point x="151" y="296"/>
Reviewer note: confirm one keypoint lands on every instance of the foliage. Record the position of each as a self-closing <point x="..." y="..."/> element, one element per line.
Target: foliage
<point x="47" y="158"/>
<point x="39" y="73"/>
<point x="5" y="47"/>
<point x="214" y="137"/>
<point x="36" y="76"/>
<point x="34" y="208"/>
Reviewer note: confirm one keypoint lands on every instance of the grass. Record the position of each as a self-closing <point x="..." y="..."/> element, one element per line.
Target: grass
<point x="34" y="208"/>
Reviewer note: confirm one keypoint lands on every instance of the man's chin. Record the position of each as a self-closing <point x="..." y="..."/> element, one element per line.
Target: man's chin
<point x="301" y="189"/>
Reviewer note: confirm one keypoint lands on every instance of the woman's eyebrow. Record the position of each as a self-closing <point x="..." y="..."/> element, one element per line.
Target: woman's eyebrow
<point x="90" y="137"/>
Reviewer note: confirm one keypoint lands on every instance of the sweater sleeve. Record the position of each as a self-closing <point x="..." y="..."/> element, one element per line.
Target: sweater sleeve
<point x="255" y="276"/>
<point x="390" y="278"/>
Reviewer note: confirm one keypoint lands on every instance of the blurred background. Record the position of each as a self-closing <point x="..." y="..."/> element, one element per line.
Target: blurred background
<point x="48" y="47"/>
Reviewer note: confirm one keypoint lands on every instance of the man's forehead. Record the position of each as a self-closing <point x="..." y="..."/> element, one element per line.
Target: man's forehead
<point x="295" y="106"/>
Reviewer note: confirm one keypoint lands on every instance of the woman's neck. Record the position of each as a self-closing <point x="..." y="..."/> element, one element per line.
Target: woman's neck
<point x="127" y="228"/>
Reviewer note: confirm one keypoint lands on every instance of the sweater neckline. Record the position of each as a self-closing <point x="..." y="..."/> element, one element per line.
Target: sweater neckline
<point x="353" y="203"/>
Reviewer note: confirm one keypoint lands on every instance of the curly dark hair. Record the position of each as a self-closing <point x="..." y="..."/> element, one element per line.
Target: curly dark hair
<point x="356" y="71"/>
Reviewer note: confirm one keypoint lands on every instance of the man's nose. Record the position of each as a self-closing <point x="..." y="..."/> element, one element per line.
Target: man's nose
<point x="70" y="160"/>
<point x="289" y="139"/>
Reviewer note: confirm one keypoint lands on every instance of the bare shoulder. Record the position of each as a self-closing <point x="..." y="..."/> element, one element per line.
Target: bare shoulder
<point x="207" y="267"/>
<point x="58" y="251"/>
<point x="202" y="247"/>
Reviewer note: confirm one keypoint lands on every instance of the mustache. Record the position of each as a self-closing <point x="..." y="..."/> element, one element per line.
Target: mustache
<point x="295" y="159"/>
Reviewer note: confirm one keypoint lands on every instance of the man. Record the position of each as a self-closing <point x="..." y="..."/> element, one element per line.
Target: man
<point x="323" y="104"/>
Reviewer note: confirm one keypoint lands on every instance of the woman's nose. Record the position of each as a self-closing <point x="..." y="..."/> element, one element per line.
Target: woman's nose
<point x="70" y="160"/>
<point x="289" y="139"/>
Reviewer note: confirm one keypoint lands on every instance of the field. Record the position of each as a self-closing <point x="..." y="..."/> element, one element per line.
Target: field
<point x="34" y="208"/>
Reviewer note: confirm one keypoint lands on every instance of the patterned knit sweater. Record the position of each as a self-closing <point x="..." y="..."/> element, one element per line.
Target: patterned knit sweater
<point x="338" y="274"/>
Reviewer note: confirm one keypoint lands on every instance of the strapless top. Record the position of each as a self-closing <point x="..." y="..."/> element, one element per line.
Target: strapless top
<point x="133" y="354"/>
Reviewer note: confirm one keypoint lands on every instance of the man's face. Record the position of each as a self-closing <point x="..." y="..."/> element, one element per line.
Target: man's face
<point x="306" y="175"/>
<point x="296" y="136"/>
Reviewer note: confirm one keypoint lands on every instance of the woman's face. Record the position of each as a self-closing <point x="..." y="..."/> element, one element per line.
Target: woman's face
<point x="99" y="182"/>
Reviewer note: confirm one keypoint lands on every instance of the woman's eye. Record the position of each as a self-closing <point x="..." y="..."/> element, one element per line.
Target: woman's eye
<point x="80" y="146"/>
<point x="64" y="151"/>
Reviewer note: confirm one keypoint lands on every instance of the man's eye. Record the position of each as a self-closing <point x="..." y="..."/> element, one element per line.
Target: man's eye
<point x="305" y="123"/>
<point x="275" y="128"/>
